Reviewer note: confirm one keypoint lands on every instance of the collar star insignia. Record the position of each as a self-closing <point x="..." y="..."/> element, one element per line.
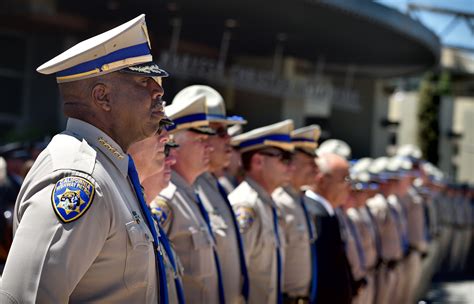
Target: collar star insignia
<point x="70" y="201"/>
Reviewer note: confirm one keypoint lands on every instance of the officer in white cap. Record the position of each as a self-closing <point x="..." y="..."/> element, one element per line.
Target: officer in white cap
<point x="266" y="158"/>
<point x="214" y="197"/>
<point x="182" y="213"/>
<point x="300" y="270"/>
<point x="335" y="146"/>
<point x="364" y="188"/>
<point x="152" y="158"/>
<point x="83" y="232"/>
<point x="390" y="235"/>
<point x="232" y="173"/>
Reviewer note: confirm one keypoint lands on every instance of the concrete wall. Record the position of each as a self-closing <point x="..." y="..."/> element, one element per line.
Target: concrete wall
<point x="403" y="107"/>
<point x="380" y="138"/>
<point x="464" y="124"/>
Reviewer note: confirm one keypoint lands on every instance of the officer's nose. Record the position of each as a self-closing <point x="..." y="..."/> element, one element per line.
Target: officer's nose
<point x="156" y="89"/>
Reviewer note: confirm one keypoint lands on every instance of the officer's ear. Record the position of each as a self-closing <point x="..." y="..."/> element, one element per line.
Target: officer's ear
<point x="101" y="96"/>
<point x="257" y="161"/>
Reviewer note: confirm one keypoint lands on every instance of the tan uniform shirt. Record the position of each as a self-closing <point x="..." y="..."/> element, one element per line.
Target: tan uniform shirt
<point x="253" y="208"/>
<point x="361" y="220"/>
<point x="171" y="272"/>
<point x="415" y="221"/>
<point x="105" y="255"/>
<point x="192" y="241"/>
<point x="297" y="265"/>
<point x="387" y="227"/>
<point x="227" y="182"/>
<point x="355" y="260"/>
<point x="401" y="220"/>
<point x="226" y="237"/>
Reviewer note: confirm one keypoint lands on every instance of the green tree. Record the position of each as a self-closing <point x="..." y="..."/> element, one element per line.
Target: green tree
<point x="432" y="87"/>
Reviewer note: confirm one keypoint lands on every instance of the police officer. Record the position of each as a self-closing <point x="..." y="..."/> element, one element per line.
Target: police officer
<point x="390" y="235"/>
<point x="82" y="231"/>
<point x="152" y="157"/>
<point x="363" y="188"/>
<point x="266" y="156"/>
<point x="214" y="197"/>
<point x="181" y="211"/>
<point x="300" y="269"/>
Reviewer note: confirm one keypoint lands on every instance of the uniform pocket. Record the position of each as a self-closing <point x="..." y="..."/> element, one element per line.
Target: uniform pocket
<point x="139" y="256"/>
<point x="202" y="257"/>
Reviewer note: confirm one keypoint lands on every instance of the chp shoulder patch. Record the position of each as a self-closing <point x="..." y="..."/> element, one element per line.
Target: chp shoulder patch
<point x="71" y="197"/>
<point x="160" y="210"/>
<point x="245" y="217"/>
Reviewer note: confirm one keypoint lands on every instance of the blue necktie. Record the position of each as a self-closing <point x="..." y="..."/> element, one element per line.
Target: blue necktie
<point x="243" y="266"/>
<point x="314" y="257"/>
<point x="216" y="257"/>
<point x="132" y="173"/>
<point x="378" y="241"/>
<point x="166" y="244"/>
<point x="278" y="254"/>
<point x="403" y="240"/>
<point x="360" y="250"/>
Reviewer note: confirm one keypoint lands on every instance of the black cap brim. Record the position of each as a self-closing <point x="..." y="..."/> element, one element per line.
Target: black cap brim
<point x="203" y="130"/>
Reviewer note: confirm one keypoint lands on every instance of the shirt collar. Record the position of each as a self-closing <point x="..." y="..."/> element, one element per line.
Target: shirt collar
<point x="261" y="192"/>
<point x="97" y="138"/>
<point x="322" y="200"/>
<point x="181" y="183"/>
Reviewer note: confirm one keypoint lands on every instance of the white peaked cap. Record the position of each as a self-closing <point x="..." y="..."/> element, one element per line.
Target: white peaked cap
<point x="216" y="110"/>
<point x="335" y="146"/>
<point x="120" y="47"/>
<point x="274" y="135"/>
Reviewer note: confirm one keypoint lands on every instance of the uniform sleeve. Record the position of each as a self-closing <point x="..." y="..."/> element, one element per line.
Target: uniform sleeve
<point x="48" y="256"/>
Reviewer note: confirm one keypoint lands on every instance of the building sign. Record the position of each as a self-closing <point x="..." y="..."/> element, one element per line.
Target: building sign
<point x="318" y="93"/>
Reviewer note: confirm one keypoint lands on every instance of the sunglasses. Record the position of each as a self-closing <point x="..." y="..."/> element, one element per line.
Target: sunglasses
<point x="221" y="132"/>
<point x="168" y="147"/>
<point x="164" y="122"/>
<point x="284" y="157"/>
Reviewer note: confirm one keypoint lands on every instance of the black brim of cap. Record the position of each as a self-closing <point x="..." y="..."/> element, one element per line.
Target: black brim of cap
<point x="203" y="130"/>
<point x="150" y="69"/>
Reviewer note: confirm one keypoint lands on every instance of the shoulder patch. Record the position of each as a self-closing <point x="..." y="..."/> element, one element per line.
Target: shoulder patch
<point x="160" y="210"/>
<point x="245" y="217"/>
<point x="71" y="197"/>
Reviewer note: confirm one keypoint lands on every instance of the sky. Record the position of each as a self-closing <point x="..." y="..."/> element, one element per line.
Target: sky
<point x="459" y="35"/>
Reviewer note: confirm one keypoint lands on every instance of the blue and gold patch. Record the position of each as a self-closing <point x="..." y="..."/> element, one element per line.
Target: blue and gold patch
<point x="71" y="197"/>
<point x="245" y="218"/>
<point x="160" y="211"/>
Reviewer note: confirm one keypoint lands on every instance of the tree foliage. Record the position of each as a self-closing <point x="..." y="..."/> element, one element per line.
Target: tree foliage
<point x="432" y="87"/>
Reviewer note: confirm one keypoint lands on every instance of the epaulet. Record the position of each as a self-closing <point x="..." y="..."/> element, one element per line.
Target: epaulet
<point x="68" y="152"/>
<point x="161" y="210"/>
<point x="243" y="193"/>
<point x="168" y="192"/>
<point x="353" y="214"/>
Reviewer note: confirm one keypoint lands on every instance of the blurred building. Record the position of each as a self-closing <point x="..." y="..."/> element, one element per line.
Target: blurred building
<point x="325" y="62"/>
<point x="455" y="118"/>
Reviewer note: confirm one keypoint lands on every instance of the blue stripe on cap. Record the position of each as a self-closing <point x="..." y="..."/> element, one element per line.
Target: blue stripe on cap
<point x="187" y="119"/>
<point x="216" y="116"/>
<point x="259" y="140"/>
<point x="128" y="52"/>
<point x="235" y="118"/>
<point x="221" y="116"/>
<point x="366" y="186"/>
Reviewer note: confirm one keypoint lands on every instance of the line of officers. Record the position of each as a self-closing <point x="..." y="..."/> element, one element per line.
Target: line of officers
<point x="268" y="217"/>
<point x="128" y="206"/>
